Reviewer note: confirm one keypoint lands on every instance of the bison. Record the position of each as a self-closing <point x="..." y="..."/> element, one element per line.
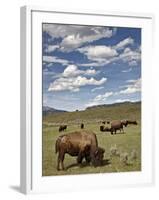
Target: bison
<point x="118" y="125"/>
<point x="101" y="128"/>
<point x="105" y="129"/>
<point x="62" y="128"/>
<point x="132" y="122"/>
<point x="82" y="126"/>
<point x="82" y="144"/>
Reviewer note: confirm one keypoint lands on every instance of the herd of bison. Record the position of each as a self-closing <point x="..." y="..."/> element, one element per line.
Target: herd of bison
<point x="84" y="144"/>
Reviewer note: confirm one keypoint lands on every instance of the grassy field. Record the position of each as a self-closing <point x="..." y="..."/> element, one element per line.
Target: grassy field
<point x="125" y="143"/>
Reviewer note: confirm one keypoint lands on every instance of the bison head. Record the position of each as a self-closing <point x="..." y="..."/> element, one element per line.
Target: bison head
<point x="98" y="156"/>
<point x="125" y="122"/>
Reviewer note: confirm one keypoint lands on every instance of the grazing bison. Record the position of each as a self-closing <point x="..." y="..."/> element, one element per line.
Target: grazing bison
<point x="117" y="125"/>
<point x="82" y="126"/>
<point x="132" y="122"/>
<point x="82" y="144"/>
<point x="62" y="128"/>
<point x="105" y="129"/>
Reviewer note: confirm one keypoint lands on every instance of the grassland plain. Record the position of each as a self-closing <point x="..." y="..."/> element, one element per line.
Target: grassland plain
<point x="92" y="118"/>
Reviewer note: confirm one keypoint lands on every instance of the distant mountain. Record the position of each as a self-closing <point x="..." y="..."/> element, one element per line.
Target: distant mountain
<point x="49" y="110"/>
<point x="114" y="104"/>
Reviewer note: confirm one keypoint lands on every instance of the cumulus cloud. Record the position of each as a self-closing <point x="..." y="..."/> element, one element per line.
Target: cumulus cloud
<point x="51" y="48"/>
<point x="133" y="63"/>
<point x="103" y="97"/>
<point x="72" y="70"/>
<point x="74" y="83"/>
<point x="101" y="55"/>
<point x="53" y="59"/>
<point x="99" y="99"/>
<point x="122" y="44"/>
<point x="98" y="53"/>
<point x="132" y="57"/>
<point x="134" y="87"/>
<point x="75" y="36"/>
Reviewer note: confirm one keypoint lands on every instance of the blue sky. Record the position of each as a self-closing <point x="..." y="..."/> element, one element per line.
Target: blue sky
<point x="89" y="65"/>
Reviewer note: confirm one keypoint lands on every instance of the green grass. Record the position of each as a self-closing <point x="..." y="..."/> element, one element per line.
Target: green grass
<point x="127" y="142"/>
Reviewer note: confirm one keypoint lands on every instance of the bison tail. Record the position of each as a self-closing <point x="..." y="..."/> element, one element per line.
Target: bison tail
<point x="57" y="145"/>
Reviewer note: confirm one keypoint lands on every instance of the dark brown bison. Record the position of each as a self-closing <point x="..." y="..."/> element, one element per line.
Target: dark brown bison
<point x="118" y="125"/>
<point x="101" y="128"/>
<point x="62" y="128"/>
<point x="132" y="122"/>
<point x="82" y="126"/>
<point x="103" y="122"/>
<point x="82" y="144"/>
<point x="105" y="129"/>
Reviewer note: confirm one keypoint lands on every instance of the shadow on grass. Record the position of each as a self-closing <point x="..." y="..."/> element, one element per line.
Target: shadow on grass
<point x="85" y="164"/>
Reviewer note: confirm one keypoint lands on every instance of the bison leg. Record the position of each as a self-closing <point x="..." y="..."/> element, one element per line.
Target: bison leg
<point x="80" y="158"/>
<point x="60" y="159"/>
<point x="88" y="158"/>
<point x="58" y="162"/>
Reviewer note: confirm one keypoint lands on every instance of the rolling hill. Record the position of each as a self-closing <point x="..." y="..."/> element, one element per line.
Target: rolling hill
<point x="126" y="110"/>
<point x="48" y="110"/>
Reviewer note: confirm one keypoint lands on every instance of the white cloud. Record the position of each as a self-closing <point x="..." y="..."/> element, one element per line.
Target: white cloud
<point x="75" y="36"/>
<point x="72" y="70"/>
<point x="97" y="88"/>
<point x="103" y="97"/>
<point x="99" y="99"/>
<point x="90" y="72"/>
<point x="101" y="55"/>
<point x="73" y="83"/>
<point x="98" y="53"/>
<point x="133" y="63"/>
<point x="53" y="59"/>
<point x="121" y="100"/>
<point x="92" y="64"/>
<point x="51" y="48"/>
<point x="130" y="56"/>
<point x="134" y="87"/>
<point x="122" y="44"/>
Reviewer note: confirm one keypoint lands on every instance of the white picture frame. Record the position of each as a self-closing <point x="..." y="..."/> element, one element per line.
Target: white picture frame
<point x="31" y="139"/>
